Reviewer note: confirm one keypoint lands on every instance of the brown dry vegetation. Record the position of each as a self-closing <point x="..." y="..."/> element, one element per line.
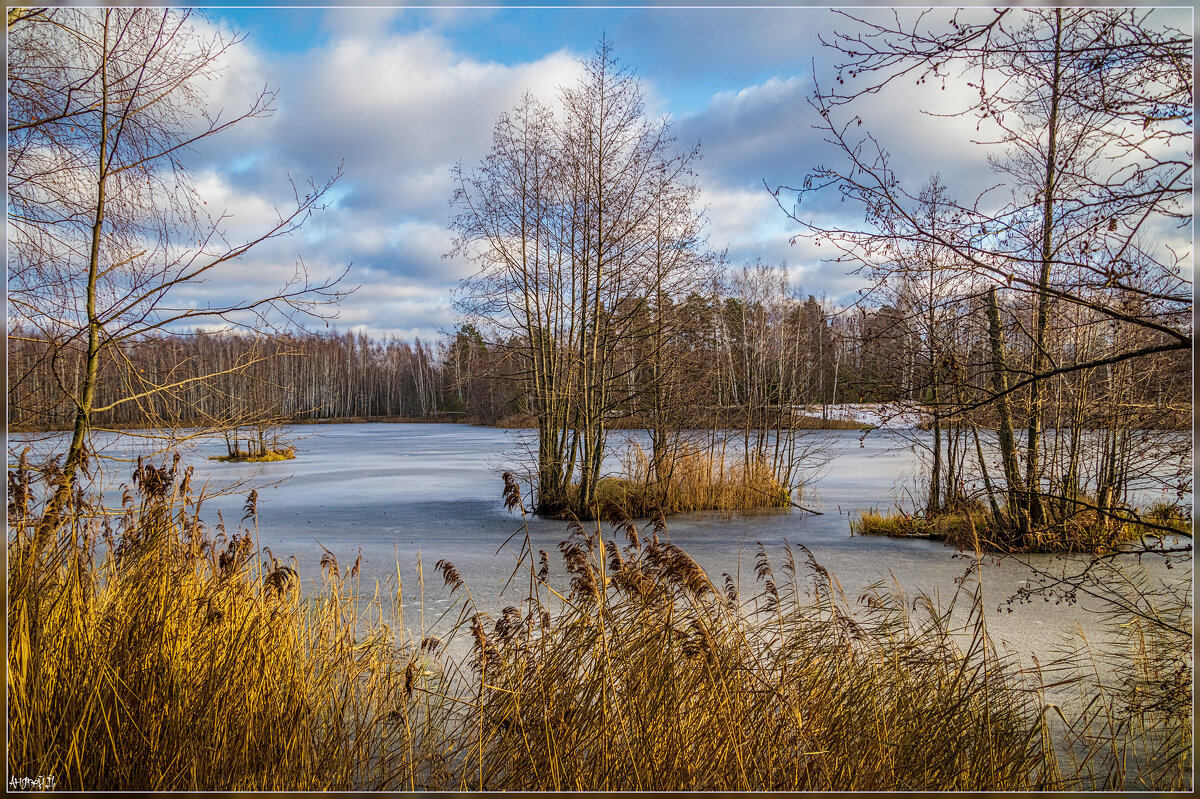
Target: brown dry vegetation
<point x="1080" y="532"/>
<point x="696" y="478"/>
<point x="182" y="657"/>
<point x="635" y="422"/>
<point x="269" y="456"/>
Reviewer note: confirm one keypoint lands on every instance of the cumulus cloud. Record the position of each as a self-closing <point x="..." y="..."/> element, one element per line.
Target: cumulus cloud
<point x="761" y="132"/>
<point x="398" y="96"/>
<point x="398" y="108"/>
<point x="397" y="111"/>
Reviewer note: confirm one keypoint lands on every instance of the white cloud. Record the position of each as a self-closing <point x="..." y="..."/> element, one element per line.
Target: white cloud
<point x="361" y="22"/>
<point x="400" y="108"/>
<point x="405" y="102"/>
<point x="241" y="215"/>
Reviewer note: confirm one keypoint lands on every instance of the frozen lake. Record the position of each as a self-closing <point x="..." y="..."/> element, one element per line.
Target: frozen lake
<point x="399" y="492"/>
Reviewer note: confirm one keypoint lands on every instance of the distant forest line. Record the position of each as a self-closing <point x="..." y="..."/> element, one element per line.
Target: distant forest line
<point x="743" y="357"/>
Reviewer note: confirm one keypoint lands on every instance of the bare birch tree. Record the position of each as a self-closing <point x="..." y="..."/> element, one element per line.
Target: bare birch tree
<point x="105" y="221"/>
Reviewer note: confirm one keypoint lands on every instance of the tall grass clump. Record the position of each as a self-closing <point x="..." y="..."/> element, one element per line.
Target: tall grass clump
<point x="1089" y="531"/>
<point x="147" y="652"/>
<point x="693" y="478"/>
<point x="264" y="456"/>
<point x="645" y="675"/>
<point x="959" y="527"/>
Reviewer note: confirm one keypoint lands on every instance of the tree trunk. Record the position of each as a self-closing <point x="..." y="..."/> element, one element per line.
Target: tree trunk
<point x="1008" y="446"/>
<point x="1033" y="485"/>
<point x="87" y="394"/>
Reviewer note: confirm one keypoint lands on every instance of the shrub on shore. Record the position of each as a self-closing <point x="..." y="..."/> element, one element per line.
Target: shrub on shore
<point x="1085" y="532"/>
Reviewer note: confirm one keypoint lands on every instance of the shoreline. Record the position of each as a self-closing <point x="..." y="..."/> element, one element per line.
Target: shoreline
<point x="457" y="417"/>
<point x="841" y="421"/>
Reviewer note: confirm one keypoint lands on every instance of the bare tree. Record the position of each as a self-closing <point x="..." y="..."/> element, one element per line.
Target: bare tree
<point x="510" y="224"/>
<point x="1091" y="111"/>
<point x="620" y="169"/>
<point x="562" y="218"/>
<point x="680" y="266"/>
<point x="105" y="222"/>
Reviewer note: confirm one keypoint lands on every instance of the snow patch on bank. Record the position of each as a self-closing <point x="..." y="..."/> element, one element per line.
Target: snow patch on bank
<point x="886" y="415"/>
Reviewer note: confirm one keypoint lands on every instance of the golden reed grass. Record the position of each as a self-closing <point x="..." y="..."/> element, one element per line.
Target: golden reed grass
<point x="183" y="658"/>
<point x="692" y="478"/>
<point x="149" y="652"/>
<point x="1081" y="531"/>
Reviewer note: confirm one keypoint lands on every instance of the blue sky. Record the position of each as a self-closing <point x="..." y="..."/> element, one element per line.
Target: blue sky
<point x="397" y="96"/>
<point x="658" y="40"/>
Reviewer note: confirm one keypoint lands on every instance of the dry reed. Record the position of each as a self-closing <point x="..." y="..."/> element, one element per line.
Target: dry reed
<point x="159" y="655"/>
<point x="188" y="659"/>
<point x="695" y="478"/>
<point x="1077" y="532"/>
